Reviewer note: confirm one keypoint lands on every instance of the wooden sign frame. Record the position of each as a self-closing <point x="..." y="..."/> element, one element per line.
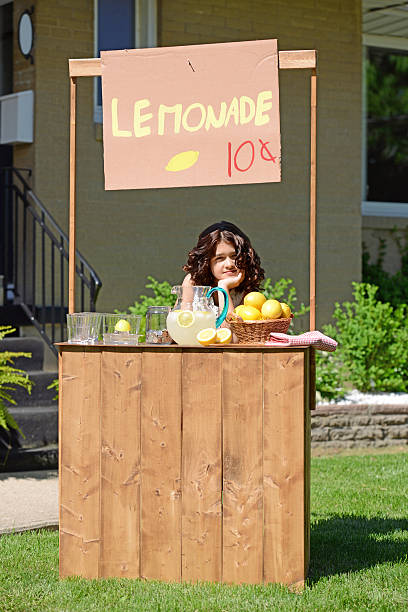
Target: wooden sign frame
<point x="288" y="60"/>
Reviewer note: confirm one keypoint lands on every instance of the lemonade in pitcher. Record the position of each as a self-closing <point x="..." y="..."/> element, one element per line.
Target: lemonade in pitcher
<point x="193" y="313"/>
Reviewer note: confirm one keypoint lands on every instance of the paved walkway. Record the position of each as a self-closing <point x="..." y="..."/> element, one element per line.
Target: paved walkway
<point x="28" y="500"/>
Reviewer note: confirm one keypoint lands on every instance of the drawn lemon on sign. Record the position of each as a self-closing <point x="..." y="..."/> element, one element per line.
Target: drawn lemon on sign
<point x="182" y="161"/>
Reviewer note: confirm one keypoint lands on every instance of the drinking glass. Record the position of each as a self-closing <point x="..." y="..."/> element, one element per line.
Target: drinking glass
<point x="156" y="327"/>
<point x="121" y="328"/>
<point x="83" y="327"/>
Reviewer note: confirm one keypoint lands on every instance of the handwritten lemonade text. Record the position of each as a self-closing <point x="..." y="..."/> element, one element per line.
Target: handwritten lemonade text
<point x="172" y="119"/>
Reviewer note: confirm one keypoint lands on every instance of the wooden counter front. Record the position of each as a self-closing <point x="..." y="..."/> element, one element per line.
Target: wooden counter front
<point x="180" y="463"/>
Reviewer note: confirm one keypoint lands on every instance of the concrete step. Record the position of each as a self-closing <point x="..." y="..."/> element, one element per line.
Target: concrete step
<point x="23" y="459"/>
<point x="40" y="395"/>
<point x="35" y="346"/>
<point x="39" y="425"/>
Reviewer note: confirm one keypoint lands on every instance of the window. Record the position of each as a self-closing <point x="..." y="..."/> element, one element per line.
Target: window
<point x="122" y="24"/>
<point x="386" y="125"/>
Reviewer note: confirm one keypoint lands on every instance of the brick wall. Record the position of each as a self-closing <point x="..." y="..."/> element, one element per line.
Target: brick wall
<point x="127" y="235"/>
<point x="388" y="229"/>
<point x="359" y="426"/>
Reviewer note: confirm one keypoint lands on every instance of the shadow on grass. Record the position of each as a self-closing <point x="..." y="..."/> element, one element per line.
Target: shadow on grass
<point x="341" y="544"/>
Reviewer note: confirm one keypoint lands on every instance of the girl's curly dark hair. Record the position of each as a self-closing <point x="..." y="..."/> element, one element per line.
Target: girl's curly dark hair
<point x="246" y="258"/>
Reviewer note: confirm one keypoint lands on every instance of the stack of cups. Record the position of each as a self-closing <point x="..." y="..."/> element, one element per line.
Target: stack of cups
<point x="84" y="327"/>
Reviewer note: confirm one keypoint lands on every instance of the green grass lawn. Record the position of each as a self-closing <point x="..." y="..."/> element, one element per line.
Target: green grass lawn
<point x="359" y="545"/>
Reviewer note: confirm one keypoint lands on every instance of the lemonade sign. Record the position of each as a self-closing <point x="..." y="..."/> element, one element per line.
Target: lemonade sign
<point x="193" y="115"/>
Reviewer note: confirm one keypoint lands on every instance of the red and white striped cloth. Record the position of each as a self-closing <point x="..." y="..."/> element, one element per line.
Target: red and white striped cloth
<point x="313" y="338"/>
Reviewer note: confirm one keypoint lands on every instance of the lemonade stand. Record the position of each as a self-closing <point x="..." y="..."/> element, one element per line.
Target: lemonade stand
<point x="181" y="462"/>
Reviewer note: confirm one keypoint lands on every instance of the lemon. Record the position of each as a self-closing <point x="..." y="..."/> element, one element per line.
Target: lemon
<point x="254" y="299"/>
<point x="185" y="318"/>
<point x="182" y="161"/>
<point x="286" y="311"/>
<point x="238" y="309"/>
<point x="224" y="335"/>
<point x="122" y="326"/>
<point x="271" y="309"/>
<point x="249" y="313"/>
<point x="206" y="336"/>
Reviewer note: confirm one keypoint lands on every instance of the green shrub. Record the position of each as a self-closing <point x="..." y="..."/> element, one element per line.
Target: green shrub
<point x="54" y="385"/>
<point x="284" y="291"/>
<point x="330" y="372"/>
<point x="162" y="296"/>
<point x="9" y="378"/>
<point x="373" y="346"/>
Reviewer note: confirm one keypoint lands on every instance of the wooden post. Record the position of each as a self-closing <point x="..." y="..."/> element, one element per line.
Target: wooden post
<point x="312" y="282"/>
<point x="72" y="197"/>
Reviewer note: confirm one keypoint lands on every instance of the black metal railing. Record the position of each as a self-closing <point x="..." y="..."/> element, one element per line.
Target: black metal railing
<point x="34" y="260"/>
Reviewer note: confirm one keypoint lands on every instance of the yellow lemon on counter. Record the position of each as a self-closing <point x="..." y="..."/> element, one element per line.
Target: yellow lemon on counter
<point x="255" y="299"/>
<point x="249" y="313"/>
<point x="224" y="335"/>
<point x="185" y="318"/>
<point x="286" y="311"/>
<point x="207" y="336"/>
<point x="182" y="161"/>
<point x="122" y="326"/>
<point x="271" y="309"/>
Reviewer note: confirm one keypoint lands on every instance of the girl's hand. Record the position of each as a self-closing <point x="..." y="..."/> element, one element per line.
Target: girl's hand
<point x="231" y="282"/>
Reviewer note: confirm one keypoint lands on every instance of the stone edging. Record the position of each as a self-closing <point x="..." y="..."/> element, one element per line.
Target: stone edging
<point x="359" y="425"/>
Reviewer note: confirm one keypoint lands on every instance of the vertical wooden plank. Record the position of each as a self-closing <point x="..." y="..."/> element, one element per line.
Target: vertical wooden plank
<point x="161" y="465"/>
<point x="72" y="196"/>
<point x="60" y="437"/>
<point x="312" y="256"/>
<point x="284" y="511"/>
<point x="79" y="464"/>
<point x="242" y="450"/>
<point x="312" y="378"/>
<point x="120" y="463"/>
<point x="201" y="459"/>
<point x="310" y="400"/>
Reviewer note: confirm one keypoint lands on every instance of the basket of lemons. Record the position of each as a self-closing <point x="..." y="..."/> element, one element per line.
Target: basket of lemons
<point x="254" y="320"/>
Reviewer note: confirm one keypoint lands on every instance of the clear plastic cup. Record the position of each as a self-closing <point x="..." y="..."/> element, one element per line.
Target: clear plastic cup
<point x="121" y="328"/>
<point x="156" y="326"/>
<point x="84" y="327"/>
<point x="78" y="326"/>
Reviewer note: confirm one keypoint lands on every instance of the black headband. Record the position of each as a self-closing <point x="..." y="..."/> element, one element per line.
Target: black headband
<point x="223" y="226"/>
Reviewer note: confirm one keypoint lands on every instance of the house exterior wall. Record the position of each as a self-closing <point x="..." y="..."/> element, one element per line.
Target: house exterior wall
<point x="126" y="235"/>
<point x="392" y="230"/>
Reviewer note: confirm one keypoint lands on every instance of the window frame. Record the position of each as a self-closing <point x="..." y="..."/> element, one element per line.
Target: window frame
<point x="151" y="41"/>
<point x="371" y="208"/>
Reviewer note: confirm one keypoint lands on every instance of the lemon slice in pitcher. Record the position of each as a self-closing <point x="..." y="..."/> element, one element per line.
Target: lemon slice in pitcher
<point x="206" y="336"/>
<point x="224" y="335"/>
<point x="185" y="318"/>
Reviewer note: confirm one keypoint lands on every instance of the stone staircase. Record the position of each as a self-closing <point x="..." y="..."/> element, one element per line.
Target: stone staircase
<point x="36" y="414"/>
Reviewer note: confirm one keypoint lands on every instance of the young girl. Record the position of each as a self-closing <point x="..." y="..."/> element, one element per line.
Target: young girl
<point x="224" y="257"/>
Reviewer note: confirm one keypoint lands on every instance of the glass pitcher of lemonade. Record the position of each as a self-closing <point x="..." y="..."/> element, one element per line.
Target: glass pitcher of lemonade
<point x="192" y="312"/>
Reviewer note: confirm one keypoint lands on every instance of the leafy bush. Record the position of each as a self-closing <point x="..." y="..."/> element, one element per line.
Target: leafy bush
<point x="9" y="378"/>
<point x="54" y="385"/>
<point x="373" y="346"/>
<point x="284" y="291"/>
<point x="162" y="296"/>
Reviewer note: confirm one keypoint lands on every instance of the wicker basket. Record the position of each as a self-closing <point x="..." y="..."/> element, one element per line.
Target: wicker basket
<point x="257" y="332"/>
